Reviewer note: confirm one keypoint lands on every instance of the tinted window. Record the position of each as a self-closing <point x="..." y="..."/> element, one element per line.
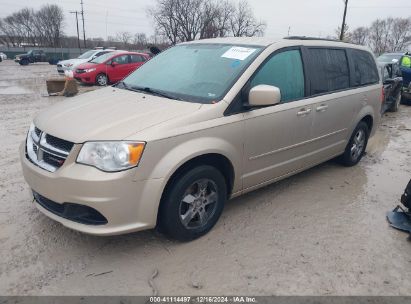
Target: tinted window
<point x="365" y="71"/>
<point x="136" y="58"/>
<point x="329" y="70"/>
<point x="285" y="71"/>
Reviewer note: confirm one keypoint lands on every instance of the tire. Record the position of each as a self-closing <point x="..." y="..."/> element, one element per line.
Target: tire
<point x="24" y="62"/>
<point x="187" y="211"/>
<point x="356" y="147"/>
<point x="396" y="106"/>
<point x="101" y="79"/>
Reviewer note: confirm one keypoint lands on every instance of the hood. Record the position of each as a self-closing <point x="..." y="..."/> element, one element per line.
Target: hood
<point x="109" y="114"/>
<point x="86" y="65"/>
<point x="74" y="62"/>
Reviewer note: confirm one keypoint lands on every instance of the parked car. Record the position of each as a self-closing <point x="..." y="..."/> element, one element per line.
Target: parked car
<point x="71" y="64"/>
<point x="390" y="57"/>
<point x="110" y="67"/>
<point x="33" y="56"/>
<point x="2" y="56"/>
<point x="199" y="123"/>
<point x="392" y="82"/>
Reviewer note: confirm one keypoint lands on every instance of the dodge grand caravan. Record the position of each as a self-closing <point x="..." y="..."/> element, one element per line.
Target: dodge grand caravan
<point x="198" y="124"/>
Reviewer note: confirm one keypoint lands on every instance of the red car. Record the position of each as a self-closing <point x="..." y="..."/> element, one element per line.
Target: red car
<point x="109" y="68"/>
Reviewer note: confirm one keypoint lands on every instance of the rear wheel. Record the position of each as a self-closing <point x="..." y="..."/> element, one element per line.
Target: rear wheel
<point x="356" y="146"/>
<point x="193" y="203"/>
<point x="101" y="79"/>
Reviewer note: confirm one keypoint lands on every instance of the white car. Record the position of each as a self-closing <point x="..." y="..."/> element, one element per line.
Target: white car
<point x="71" y="64"/>
<point x="3" y="56"/>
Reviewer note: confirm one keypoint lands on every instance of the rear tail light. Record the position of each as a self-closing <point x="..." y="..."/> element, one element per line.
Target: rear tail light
<point x="382" y="95"/>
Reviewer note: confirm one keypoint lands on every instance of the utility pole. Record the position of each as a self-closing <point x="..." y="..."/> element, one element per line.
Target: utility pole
<point x="82" y="17"/>
<point x="343" y="22"/>
<point x="289" y="29"/>
<point x="78" y="33"/>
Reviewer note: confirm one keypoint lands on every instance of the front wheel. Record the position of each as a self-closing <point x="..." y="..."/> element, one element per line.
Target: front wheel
<point x="24" y="62"/>
<point x="101" y="79"/>
<point x="355" y="148"/>
<point x="193" y="203"/>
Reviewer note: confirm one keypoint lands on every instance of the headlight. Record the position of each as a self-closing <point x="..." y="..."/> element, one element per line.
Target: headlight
<point x="111" y="156"/>
<point x="90" y="70"/>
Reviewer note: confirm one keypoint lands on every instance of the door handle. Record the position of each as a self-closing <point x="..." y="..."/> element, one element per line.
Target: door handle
<point x="322" y="108"/>
<point x="304" y="112"/>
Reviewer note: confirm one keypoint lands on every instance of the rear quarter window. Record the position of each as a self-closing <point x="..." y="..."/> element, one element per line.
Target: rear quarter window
<point x="364" y="68"/>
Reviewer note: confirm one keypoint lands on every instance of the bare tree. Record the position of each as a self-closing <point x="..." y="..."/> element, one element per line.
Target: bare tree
<point x="124" y="38"/>
<point x="165" y="19"/>
<point x="49" y="24"/>
<point x="140" y="40"/>
<point x="186" y="20"/>
<point x="44" y="27"/>
<point x="401" y="34"/>
<point x="359" y="35"/>
<point x="243" y="22"/>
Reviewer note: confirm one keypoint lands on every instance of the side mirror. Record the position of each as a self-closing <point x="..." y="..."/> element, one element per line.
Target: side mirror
<point x="264" y="95"/>
<point x="113" y="64"/>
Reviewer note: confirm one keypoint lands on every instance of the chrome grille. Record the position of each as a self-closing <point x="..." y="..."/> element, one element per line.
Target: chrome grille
<point x="46" y="151"/>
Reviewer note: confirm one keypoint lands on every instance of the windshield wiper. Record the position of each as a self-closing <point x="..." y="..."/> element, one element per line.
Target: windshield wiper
<point x="147" y="90"/>
<point x="155" y="92"/>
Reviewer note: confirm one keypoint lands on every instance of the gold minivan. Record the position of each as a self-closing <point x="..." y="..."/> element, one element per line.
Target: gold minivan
<point x="198" y="124"/>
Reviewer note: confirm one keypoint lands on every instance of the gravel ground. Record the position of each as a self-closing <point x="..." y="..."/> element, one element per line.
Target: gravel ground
<point x="321" y="232"/>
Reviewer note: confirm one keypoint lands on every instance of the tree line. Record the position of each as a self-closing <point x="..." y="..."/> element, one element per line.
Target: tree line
<point x="186" y="20"/>
<point x="43" y="27"/>
<point x="383" y="35"/>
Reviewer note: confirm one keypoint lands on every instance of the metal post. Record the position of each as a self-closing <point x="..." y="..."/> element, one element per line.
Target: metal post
<point x="343" y="23"/>
<point x="78" y="32"/>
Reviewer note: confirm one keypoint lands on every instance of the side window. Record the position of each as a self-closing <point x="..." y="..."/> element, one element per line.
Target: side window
<point x="365" y="71"/>
<point x="329" y="70"/>
<point x="123" y="59"/>
<point x="285" y="71"/>
<point x="136" y="58"/>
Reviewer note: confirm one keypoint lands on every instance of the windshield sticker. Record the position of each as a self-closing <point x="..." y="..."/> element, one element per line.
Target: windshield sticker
<point x="239" y="53"/>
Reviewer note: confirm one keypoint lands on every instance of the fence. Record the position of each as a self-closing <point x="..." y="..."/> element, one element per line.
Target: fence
<point x="60" y="53"/>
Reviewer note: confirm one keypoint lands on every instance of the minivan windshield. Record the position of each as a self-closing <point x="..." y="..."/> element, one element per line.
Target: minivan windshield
<point x="86" y="55"/>
<point x="193" y="72"/>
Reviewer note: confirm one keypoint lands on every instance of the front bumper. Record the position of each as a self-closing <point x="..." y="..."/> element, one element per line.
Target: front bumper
<point x="128" y="204"/>
<point x="89" y="78"/>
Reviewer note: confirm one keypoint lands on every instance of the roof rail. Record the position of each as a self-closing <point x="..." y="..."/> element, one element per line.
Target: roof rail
<point x="312" y="38"/>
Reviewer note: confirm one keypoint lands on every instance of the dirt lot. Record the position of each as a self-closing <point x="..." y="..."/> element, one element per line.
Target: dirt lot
<point x="322" y="232"/>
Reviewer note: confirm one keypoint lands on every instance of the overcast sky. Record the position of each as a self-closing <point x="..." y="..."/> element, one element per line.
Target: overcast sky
<point x="304" y="17"/>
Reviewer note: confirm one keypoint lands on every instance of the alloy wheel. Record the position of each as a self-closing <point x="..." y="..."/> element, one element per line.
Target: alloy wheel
<point x="199" y="203"/>
<point x="358" y="144"/>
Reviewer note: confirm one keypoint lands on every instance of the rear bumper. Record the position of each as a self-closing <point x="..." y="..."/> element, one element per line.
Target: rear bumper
<point x="127" y="204"/>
